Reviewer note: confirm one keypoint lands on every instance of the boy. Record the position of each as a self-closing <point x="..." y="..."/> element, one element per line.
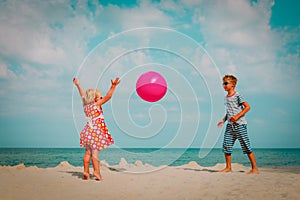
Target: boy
<point x="236" y="108"/>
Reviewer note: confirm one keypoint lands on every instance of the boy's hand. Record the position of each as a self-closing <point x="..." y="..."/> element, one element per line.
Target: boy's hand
<point x="220" y="124"/>
<point x="234" y="118"/>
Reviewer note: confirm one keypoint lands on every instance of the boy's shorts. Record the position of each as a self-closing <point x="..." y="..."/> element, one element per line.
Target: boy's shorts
<point x="233" y="132"/>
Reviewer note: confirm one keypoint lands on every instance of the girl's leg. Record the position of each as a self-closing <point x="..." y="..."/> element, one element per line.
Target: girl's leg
<point x="96" y="165"/>
<point x="86" y="163"/>
<point x="254" y="169"/>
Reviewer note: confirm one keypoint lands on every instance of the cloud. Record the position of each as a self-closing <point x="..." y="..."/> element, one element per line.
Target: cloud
<point x="45" y="33"/>
<point x="19" y="35"/>
<point x="43" y="43"/>
<point x="114" y="18"/>
<point x="5" y="72"/>
<point x="235" y="23"/>
<point x="236" y="33"/>
<point x="240" y="39"/>
<point x="259" y="122"/>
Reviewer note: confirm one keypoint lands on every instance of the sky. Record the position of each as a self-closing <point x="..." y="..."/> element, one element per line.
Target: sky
<point x="191" y="43"/>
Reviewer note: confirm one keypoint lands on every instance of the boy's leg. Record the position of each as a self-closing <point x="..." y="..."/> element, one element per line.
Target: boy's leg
<point x="229" y="139"/>
<point x="96" y="165"/>
<point x="228" y="163"/>
<point x="245" y="144"/>
<point x="254" y="169"/>
<point x="86" y="163"/>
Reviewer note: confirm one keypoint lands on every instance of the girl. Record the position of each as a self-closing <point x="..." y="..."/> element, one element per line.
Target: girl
<point x="95" y="136"/>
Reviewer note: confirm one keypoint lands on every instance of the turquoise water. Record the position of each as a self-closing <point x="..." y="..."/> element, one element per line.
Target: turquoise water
<point x="51" y="157"/>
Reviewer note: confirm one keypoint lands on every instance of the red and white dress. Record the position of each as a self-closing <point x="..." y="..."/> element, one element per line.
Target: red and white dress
<point x="95" y="133"/>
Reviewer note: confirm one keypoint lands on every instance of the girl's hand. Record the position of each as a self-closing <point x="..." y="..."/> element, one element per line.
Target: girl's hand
<point x="109" y="94"/>
<point x="75" y="81"/>
<point x="220" y="124"/>
<point x="115" y="82"/>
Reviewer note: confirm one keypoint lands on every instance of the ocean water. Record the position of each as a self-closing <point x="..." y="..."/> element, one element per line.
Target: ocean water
<point x="51" y="157"/>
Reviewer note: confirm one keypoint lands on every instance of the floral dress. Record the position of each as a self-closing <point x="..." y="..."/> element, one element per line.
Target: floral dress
<point x="95" y="133"/>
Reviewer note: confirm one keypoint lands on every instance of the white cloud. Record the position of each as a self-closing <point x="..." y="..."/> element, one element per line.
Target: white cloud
<point x="5" y="72"/>
<point x="142" y="15"/>
<point x="192" y="3"/>
<point x="259" y="122"/>
<point x="48" y="40"/>
<point x="239" y="38"/>
<point x="236" y="23"/>
<point x="237" y="33"/>
<point x="281" y="112"/>
<point x="44" y="33"/>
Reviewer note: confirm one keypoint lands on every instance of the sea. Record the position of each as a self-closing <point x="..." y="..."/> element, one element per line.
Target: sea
<point x="51" y="157"/>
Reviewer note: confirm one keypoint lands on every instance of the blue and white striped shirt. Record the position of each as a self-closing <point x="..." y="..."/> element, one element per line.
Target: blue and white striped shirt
<point x="234" y="106"/>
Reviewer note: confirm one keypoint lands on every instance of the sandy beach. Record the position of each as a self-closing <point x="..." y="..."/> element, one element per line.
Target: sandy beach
<point x="142" y="181"/>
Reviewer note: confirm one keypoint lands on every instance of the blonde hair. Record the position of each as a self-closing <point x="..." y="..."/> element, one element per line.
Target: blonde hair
<point x="90" y="95"/>
<point x="231" y="78"/>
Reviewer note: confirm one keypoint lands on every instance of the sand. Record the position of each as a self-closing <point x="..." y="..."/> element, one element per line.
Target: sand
<point x="142" y="181"/>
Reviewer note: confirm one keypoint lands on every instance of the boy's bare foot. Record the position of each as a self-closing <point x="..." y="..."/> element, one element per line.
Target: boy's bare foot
<point x="226" y="170"/>
<point x="86" y="176"/>
<point x="253" y="171"/>
<point x="98" y="177"/>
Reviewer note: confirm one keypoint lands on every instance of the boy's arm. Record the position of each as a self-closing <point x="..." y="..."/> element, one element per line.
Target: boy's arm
<point x="242" y="113"/>
<point x="80" y="90"/>
<point x="225" y="118"/>
<point x="220" y="124"/>
<point x="109" y="94"/>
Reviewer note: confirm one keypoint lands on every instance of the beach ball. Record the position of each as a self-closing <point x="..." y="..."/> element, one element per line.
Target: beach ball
<point x="151" y="86"/>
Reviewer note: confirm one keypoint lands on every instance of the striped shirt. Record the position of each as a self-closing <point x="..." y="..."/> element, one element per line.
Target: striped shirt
<point x="234" y="106"/>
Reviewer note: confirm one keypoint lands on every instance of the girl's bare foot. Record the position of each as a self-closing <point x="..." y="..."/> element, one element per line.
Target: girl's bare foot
<point x="98" y="177"/>
<point x="253" y="171"/>
<point x="226" y="170"/>
<point x="86" y="176"/>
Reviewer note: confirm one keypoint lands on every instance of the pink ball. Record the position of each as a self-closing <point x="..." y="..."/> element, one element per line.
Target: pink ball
<point x="151" y="86"/>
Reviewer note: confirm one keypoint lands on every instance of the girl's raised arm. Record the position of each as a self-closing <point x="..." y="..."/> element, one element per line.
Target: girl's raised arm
<point x="109" y="94"/>
<point x="80" y="90"/>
